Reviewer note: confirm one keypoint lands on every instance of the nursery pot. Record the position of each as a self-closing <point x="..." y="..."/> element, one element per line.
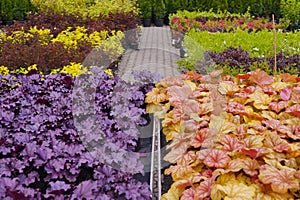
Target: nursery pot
<point x="166" y="20"/>
<point x="147" y="22"/>
<point x="146" y="149"/>
<point x="159" y="22"/>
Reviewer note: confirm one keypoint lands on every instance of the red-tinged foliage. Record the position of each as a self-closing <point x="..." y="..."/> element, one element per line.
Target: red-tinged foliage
<point x="255" y="132"/>
<point x="58" y="23"/>
<point x="216" y="158"/>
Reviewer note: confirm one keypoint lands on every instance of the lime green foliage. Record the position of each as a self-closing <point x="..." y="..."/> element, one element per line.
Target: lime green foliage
<point x="70" y="38"/>
<point x="209" y="14"/>
<point x="74" y="69"/>
<point x="91" y="8"/>
<point x="258" y="44"/>
<point x="113" y="45"/>
<point x="3" y="70"/>
<point x="291" y="11"/>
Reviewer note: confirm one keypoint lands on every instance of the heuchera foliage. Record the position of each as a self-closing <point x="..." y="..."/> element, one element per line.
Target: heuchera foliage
<point x="41" y="151"/>
<point x="230" y="137"/>
<point x="221" y="24"/>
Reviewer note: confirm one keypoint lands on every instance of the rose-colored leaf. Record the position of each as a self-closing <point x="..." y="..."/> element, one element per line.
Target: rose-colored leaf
<point x="251" y="167"/>
<point x="188" y="194"/>
<point x="216" y="158"/>
<point x="235" y="165"/>
<point x="235" y="108"/>
<point x="254" y="153"/>
<point x="269" y="90"/>
<point x="285" y="93"/>
<point x="273" y="141"/>
<point x="294" y="110"/>
<point x="278" y="106"/>
<point x="281" y="180"/>
<point x="199" y="138"/>
<point x="179" y="93"/>
<point x="191" y="75"/>
<point x="261" y="78"/>
<point x="204" y="189"/>
<point x="296" y="95"/>
<point x="231" y="143"/>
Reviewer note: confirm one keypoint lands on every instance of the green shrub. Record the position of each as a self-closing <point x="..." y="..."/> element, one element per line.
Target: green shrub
<point x="15" y="9"/>
<point x="159" y="9"/>
<point x="291" y="11"/>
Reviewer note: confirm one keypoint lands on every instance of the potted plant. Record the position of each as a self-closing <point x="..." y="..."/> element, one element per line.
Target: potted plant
<point x="146" y="10"/>
<point x="159" y="12"/>
<point x="6" y="14"/>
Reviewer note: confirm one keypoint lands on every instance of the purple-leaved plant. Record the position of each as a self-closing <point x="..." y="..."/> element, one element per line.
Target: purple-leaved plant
<point x="42" y="155"/>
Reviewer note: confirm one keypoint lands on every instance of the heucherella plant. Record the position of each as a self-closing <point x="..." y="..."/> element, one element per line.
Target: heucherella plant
<point x="42" y="154"/>
<point x="230" y="137"/>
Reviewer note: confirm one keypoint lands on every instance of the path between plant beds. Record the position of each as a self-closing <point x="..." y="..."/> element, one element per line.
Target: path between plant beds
<point x="156" y="54"/>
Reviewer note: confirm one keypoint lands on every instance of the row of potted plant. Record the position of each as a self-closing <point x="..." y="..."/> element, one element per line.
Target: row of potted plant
<point x="259" y="45"/>
<point x="230" y="137"/>
<point x="53" y="147"/>
<point x="152" y="10"/>
<point x="182" y="23"/>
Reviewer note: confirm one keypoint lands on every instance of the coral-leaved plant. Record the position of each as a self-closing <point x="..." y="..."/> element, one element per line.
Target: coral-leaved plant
<point x="230" y="137"/>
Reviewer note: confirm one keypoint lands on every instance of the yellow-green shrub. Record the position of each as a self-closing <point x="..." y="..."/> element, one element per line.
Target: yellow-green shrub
<point x="91" y="8"/>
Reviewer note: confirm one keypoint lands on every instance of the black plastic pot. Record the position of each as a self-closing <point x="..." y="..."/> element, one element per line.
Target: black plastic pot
<point x="8" y="22"/>
<point x="147" y="22"/>
<point x="159" y="22"/>
<point x="166" y="20"/>
<point x="144" y="146"/>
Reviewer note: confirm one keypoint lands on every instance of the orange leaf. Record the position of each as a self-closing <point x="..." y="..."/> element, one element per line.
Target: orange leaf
<point x="155" y="96"/>
<point x="288" y="78"/>
<point x="281" y="180"/>
<point x="191" y="75"/>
